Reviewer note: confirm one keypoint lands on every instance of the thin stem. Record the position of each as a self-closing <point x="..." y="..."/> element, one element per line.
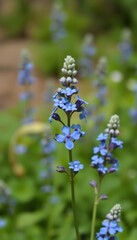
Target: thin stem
<point x="74" y="205"/>
<point x="72" y="185"/>
<point x="96" y="202"/>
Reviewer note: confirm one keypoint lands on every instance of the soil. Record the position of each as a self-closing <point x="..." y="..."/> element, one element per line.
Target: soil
<point x="9" y="88"/>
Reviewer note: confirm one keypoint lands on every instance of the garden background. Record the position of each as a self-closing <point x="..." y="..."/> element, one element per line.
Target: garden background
<point x="34" y="198"/>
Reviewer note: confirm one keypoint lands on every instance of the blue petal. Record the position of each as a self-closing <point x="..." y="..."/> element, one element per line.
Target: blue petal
<point x="96" y="149"/>
<point x="66" y="130"/>
<point x="69" y="144"/>
<point x="60" y="138"/>
<point x="103" y="230"/>
<point x="75" y="135"/>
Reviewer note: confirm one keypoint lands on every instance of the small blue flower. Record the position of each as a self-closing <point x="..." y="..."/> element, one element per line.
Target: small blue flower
<point x="102" y="137"/>
<point x="97" y="160"/>
<point x="60" y="102"/>
<point x="77" y="128"/>
<point x="26" y="96"/>
<point x="24" y="76"/>
<point x="76" y="166"/>
<point x="47" y="146"/>
<point x="69" y="107"/>
<point x="20" y="149"/>
<point x="69" y="91"/>
<point x="68" y="137"/>
<point x="114" y="143"/>
<point x="133" y="114"/>
<point x="3" y="223"/>
<point x="100" y="150"/>
<point x="109" y="229"/>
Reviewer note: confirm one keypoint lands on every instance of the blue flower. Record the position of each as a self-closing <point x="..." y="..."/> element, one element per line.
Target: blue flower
<point x="114" y="143"/>
<point x="68" y="137"/>
<point x="69" y="107"/>
<point x="47" y="146"/>
<point x="26" y="96"/>
<point x="69" y="91"/>
<point x="77" y="128"/>
<point x="97" y="160"/>
<point x="25" y="76"/>
<point x="20" y="149"/>
<point x="133" y="114"/>
<point x="102" y="137"/>
<point x="3" y="223"/>
<point x="60" y="102"/>
<point x="109" y="229"/>
<point x="100" y="150"/>
<point x="76" y="166"/>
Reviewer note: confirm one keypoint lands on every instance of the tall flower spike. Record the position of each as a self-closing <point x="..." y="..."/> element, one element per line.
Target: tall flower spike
<point x="113" y="126"/>
<point x="69" y="72"/>
<point x="103" y="159"/>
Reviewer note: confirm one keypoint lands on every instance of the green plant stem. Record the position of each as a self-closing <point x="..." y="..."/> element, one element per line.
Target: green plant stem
<point x="72" y="185"/>
<point x="96" y="202"/>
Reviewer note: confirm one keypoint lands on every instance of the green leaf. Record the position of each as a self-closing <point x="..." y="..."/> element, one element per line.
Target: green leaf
<point x="29" y="218"/>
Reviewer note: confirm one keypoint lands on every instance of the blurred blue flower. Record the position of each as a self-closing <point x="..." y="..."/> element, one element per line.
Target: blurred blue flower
<point x="20" y="149"/>
<point x="24" y="76"/>
<point x="76" y="166"/>
<point x="3" y="223"/>
<point x="26" y="96"/>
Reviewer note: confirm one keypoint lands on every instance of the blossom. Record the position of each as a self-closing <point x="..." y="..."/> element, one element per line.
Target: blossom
<point x="20" y="149"/>
<point x="60" y="102"/>
<point x="103" y="159"/>
<point x="69" y="91"/>
<point x="76" y="166"/>
<point x="110" y="226"/>
<point x="24" y="76"/>
<point x="68" y="137"/>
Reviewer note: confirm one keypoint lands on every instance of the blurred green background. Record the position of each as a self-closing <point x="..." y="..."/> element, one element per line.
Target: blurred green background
<point x="37" y="206"/>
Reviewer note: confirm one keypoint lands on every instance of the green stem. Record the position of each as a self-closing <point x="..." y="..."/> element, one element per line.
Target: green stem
<point x="96" y="202"/>
<point x="72" y="185"/>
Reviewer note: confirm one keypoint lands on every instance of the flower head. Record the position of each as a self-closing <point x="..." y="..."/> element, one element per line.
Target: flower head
<point x="76" y="166"/>
<point x="110" y="226"/>
<point x="103" y="159"/>
<point x="69" y="137"/>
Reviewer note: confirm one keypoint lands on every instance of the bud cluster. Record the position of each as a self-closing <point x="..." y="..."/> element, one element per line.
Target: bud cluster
<point x="69" y="72"/>
<point x="113" y="126"/>
<point x="115" y="213"/>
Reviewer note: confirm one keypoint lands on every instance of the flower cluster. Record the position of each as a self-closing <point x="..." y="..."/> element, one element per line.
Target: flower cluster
<point x="7" y="203"/>
<point x="67" y="99"/>
<point x="46" y="163"/>
<point x="26" y="79"/>
<point x="57" y="26"/>
<point x="103" y="159"/>
<point x="133" y="111"/>
<point x="86" y="61"/>
<point x="63" y="100"/>
<point x="125" y="46"/>
<point x="110" y="226"/>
